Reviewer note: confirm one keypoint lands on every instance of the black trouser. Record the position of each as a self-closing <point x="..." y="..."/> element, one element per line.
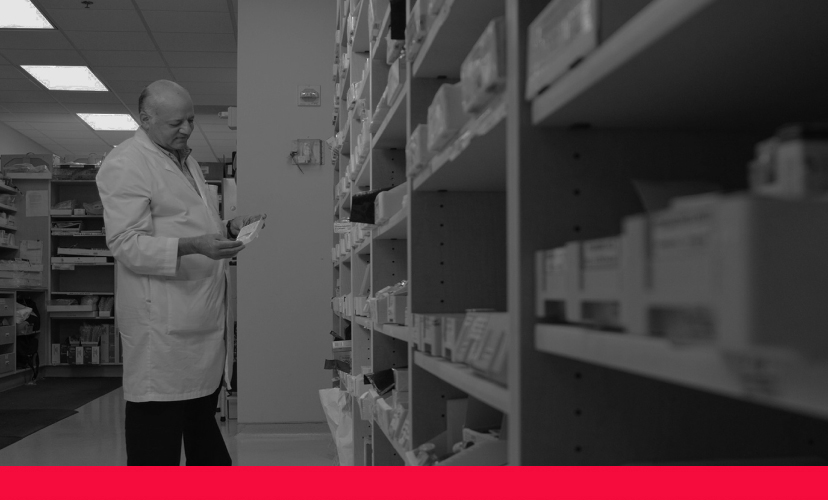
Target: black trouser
<point x="154" y="430"/>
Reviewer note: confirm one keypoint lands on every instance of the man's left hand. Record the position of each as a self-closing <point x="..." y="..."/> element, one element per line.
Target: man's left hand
<point x="239" y="222"/>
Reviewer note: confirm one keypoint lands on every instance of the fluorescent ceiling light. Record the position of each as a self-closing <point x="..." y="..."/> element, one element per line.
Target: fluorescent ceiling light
<point x="78" y="78"/>
<point x="109" y="122"/>
<point x="22" y="14"/>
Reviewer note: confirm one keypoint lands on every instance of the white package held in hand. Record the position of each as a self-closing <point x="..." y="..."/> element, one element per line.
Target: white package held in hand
<point x="249" y="232"/>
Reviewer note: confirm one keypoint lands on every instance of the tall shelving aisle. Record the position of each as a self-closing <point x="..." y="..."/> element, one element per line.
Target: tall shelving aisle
<point x="674" y="91"/>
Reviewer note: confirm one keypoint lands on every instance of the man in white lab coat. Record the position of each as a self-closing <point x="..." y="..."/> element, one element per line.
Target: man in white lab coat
<point x="172" y="249"/>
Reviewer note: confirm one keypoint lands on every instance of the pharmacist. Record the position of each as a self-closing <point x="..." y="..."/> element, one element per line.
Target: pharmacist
<point x="171" y="248"/>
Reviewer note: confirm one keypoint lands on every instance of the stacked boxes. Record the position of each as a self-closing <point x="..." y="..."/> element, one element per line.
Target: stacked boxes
<point x="728" y="270"/>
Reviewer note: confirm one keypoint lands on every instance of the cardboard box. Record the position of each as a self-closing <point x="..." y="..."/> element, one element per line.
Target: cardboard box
<point x="566" y="31"/>
<point x="446" y="116"/>
<point x="397" y="305"/>
<point x="740" y="271"/>
<point x="450" y="331"/>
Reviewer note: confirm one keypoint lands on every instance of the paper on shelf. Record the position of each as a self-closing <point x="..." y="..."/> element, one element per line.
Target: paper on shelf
<point x="37" y="203"/>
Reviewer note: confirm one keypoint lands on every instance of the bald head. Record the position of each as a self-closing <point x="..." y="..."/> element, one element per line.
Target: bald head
<point x="166" y="112"/>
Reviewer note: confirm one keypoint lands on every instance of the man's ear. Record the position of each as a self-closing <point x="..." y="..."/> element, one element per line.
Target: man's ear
<point x="146" y="120"/>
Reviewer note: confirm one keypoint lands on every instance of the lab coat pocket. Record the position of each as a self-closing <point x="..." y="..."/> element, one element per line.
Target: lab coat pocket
<point x="195" y="306"/>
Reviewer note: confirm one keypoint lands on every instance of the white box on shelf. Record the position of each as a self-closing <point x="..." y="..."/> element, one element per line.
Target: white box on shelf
<point x="446" y="116"/>
<point x="397" y="305"/>
<point x="744" y="272"/>
<point x="483" y="73"/>
<point x="417" y="154"/>
<point x="794" y="164"/>
<point x="451" y="330"/>
<point x="389" y="203"/>
<point x="396" y="80"/>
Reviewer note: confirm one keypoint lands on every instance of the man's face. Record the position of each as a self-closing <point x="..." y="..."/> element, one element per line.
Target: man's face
<point x="170" y="122"/>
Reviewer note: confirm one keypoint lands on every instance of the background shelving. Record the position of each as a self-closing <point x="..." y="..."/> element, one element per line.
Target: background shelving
<point x="529" y="175"/>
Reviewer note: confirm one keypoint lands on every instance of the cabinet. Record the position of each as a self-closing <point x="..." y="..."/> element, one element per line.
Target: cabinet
<point x="681" y="90"/>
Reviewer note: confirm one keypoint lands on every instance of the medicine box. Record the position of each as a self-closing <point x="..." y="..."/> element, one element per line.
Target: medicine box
<point x="397" y="305"/>
<point x="566" y="31"/>
<point x="483" y="73"/>
<point x="446" y="116"/>
<point x="389" y="203"/>
<point x="416" y="29"/>
<point x="452" y="324"/>
<point x="431" y="340"/>
<point x="417" y="154"/>
<point x="794" y="164"/>
<point x="396" y="80"/>
<point x="400" y="379"/>
<point x="745" y="272"/>
<point x="488" y="355"/>
<point x="581" y="283"/>
<point x="379" y="311"/>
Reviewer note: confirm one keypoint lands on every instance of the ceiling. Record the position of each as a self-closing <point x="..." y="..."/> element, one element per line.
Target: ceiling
<point x="127" y="44"/>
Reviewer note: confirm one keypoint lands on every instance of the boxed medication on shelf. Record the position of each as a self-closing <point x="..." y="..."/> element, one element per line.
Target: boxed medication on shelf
<point x="488" y="356"/>
<point x="417" y="154"/>
<point x="581" y="283"/>
<point x="396" y="81"/>
<point x="446" y="116"/>
<point x="793" y="164"/>
<point x="389" y="203"/>
<point x="416" y="30"/>
<point x="452" y="324"/>
<point x="400" y="379"/>
<point x="397" y="306"/>
<point x="744" y="272"/>
<point x="567" y="31"/>
<point x="483" y="73"/>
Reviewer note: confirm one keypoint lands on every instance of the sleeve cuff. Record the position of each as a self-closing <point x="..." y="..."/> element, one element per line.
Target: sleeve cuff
<point x="170" y="258"/>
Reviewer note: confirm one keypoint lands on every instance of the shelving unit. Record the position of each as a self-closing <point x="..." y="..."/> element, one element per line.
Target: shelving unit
<point x="75" y="280"/>
<point x="682" y="90"/>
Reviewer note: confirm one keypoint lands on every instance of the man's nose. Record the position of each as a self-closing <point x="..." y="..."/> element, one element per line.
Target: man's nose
<point x="187" y="128"/>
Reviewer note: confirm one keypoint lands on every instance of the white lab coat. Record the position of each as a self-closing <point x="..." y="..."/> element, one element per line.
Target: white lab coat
<point x="171" y="311"/>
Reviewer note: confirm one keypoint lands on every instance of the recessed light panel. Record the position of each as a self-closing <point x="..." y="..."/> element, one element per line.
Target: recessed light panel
<point x="22" y="14"/>
<point x="79" y="78"/>
<point x="109" y="121"/>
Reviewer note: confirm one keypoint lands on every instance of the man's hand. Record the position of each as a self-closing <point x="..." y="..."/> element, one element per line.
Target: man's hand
<point x="239" y="222"/>
<point x="215" y="246"/>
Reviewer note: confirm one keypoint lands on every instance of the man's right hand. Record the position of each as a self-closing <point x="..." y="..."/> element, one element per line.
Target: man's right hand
<point x="214" y="246"/>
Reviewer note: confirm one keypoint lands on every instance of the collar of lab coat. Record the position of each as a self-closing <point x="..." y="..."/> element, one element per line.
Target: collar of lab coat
<point x="144" y="140"/>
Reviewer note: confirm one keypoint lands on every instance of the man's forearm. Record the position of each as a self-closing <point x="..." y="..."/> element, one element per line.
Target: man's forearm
<point x="187" y="246"/>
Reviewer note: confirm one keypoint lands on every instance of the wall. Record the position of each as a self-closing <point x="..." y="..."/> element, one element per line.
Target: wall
<point x="13" y="142"/>
<point x="285" y="276"/>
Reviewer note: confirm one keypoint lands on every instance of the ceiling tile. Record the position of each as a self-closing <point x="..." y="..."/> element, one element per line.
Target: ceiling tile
<point x="9" y="71"/>
<point x="124" y="88"/>
<point x="9" y="96"/>
<point x="20" y="125"/>
<point x="55" y="119"/>
<point x="95" y="19"/>
<point x="46" y="57"/>
<point x="144" y="75"/>
<point x="71" y="134"/>
<point x="113" y="137"/>
<point x="124" y="58"/>
<point x="76" y="124"/>
<point x="34" y="107"/>
<point x="98" y="5"/>
<point x="18" y="84"/>
<point x="184" y="5"/>
<point x="209" y="88"/>
<point x="196" y="42"/>
<point x="189" y="22"/>
<point x="96" y="108"/>
<point x="112" y="40"/>
<point x="84" y="97"/>
<point x="33" y="39"/>
<point x="201" y="59"/>
<point x="224" y="75"/>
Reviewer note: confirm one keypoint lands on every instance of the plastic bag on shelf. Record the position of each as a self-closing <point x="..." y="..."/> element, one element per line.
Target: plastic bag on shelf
<point x="338" y="413"/>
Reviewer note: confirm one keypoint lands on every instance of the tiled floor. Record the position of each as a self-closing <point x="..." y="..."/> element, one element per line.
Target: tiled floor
<point x="95" y="436"/>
